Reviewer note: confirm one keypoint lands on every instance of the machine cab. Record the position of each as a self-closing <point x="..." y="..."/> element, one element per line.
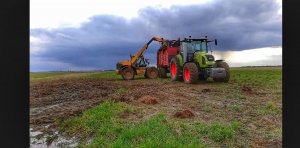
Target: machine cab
<point x="189" y="48"/>
<point x="141" y="62"/>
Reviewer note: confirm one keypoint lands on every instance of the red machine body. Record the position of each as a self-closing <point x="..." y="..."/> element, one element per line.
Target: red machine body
<point x="164" y="55"/>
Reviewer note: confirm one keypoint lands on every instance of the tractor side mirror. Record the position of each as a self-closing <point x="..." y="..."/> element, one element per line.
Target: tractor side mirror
<point x="216" y="42"/>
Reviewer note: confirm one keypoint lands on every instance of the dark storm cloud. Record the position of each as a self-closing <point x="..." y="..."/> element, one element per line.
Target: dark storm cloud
<point x="105" y="39"/>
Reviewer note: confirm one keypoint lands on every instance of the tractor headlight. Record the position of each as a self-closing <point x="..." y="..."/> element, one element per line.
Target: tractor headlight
<point x="210" y="57"/>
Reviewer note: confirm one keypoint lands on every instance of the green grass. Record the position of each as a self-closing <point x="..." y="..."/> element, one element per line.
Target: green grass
<point x="217" y="132"/>
<point x="96" y="120"/>
<point x="270" y="108"/>
<point x="122" y="90"/>
<point x="104" y="125"/>
<point x="107" y="129"/>
<point x="235" y="107"/>
<point x="256" y="76"/>
<point x="236" y="96"/>
<point x="251" y="76"/>
<point x="108" y="74"/>
<point x="48" y="74"/>
<point x="274" y="134"/>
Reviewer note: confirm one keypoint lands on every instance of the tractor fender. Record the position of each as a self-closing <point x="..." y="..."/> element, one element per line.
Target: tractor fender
<point x="130" y="67"/>
<point x="180" y="60"/>
<point x="123" y="67"/>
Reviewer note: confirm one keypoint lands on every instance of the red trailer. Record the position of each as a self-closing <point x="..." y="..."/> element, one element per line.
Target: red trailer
<point x="164" y="55"/>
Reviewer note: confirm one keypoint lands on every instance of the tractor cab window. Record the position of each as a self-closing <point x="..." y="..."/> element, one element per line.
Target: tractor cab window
<point x="140" y="62"/>
<point x="199" y="46"/>
<point x="194" y="46"/>
<point x="203" y="46"/>
<point x="187" y="47"/>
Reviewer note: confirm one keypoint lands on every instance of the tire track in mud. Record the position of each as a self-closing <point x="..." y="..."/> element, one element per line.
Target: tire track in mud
<point x="63" y="98"/>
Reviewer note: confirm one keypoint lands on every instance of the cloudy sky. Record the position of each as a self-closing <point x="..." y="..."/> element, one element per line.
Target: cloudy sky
<point x="95" y="35"/>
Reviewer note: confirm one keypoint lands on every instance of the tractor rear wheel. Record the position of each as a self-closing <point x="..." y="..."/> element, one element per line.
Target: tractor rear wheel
<point x="152" y="73"/>
<point x="224" y="65"/>
<point x="127" y="73"/>
<point x="175" y="69"/>
<point x="162" y="72"/>
<point x="190" y="73"/>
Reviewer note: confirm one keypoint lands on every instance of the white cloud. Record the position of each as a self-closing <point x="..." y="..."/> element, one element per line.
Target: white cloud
<point x="70" y="13"/>
<point x="280" y="10"/>
<point x="36" y="44"/>
<point x="252" y="57"/>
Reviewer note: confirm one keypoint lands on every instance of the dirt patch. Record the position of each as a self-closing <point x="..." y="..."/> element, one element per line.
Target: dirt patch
<point x="64" y="98"/>
<point x="266" y="143"/>
<point x="117" y="98"/>
<point x="149" y="100"/>
<point x="246" y="88"/>
<point x="56" y="99"/>
<point x="184" y="114"/>
<point x="205" y="90"/>
<point x="125" y="114"/>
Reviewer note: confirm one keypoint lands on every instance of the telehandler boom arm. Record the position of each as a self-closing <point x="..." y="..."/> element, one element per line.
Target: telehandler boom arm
<point x="141" y="51"/>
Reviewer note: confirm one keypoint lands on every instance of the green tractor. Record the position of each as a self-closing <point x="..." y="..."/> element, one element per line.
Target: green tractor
<point x="193" y="62"/>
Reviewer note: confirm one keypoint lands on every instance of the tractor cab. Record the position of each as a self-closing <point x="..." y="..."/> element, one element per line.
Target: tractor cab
<point x="196" y="50"/>
<point x="141" y="62"/>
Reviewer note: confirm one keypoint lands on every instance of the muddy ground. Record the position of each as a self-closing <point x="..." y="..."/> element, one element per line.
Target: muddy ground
<point x="61" y="98"/>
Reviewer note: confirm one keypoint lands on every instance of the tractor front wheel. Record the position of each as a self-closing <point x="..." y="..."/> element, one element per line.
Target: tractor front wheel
<point x="224" y="65"/>
<point x="152" y="73"/>
<point x="175" y="69"/>
<point x="127" y="73"/>
<point x="190" y="73"/>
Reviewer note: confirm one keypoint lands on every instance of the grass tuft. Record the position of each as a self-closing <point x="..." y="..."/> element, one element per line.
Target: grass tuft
<point x="107" y="129"/>
<point x="235" y="107"/>
<point x="236" y="96"/>
<point x="270" y="108"/>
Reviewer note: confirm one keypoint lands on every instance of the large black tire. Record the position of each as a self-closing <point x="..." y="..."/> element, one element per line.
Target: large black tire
<point x="151" y="73"/>
<point x="175" y="69"/>
<point x="128" y="73"/>
<point x="190" y="73"/>
<point x="146" y="76"/>
<point x="224" y="65"/>
<point x="162" y="72"/>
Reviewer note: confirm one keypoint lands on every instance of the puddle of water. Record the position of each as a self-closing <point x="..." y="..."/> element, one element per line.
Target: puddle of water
<point x="58" y="142"/>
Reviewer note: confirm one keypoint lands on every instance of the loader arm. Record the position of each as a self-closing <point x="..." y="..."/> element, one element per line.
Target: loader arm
<point x="142" y="50"/>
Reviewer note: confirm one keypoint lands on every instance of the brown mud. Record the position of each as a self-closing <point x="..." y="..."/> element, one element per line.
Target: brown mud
<point x="184" y="114"/>
<point x="149" y="100"/>
<point x="55" y="99"/>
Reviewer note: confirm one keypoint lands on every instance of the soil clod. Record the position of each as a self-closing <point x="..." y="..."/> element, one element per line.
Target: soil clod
<point x="149" y="100"/>
<point x="246" y="88"/>
<point x="185" y="114"/>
